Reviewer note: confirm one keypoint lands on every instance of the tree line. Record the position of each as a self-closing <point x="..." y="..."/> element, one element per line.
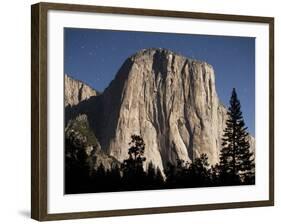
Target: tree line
<point x="236" y="165"/>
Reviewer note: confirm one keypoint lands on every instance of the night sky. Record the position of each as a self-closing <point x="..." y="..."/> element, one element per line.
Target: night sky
<point x="94" y="56"/>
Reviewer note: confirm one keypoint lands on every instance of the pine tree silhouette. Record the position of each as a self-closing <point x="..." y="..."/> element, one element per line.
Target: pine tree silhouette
<point x="150" y="175"/>
<point x="200" y="171"/>
<point x="171" y="174"/>
<point x="236" y="160"/>
<point x="133" y="172"/>
<point x="159" y="180"/>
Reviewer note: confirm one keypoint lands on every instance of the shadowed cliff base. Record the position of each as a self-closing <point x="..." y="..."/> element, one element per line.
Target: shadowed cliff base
<point x="81" y="177"/>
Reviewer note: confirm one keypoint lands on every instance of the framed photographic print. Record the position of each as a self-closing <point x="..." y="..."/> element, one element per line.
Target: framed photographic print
<point x="138" y="111"/>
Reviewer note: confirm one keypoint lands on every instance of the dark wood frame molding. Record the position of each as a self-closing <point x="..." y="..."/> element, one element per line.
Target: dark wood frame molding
<point x="39" y="110"/>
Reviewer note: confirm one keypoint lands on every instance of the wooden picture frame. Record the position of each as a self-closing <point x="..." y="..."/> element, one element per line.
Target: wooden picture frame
<point x="39" y="109"/>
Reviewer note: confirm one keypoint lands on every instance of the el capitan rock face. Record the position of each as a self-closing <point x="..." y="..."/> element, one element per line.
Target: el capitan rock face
<point x="168" y="99"/>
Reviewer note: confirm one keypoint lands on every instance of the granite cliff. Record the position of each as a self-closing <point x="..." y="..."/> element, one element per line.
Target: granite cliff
<point x="168" y="99"/>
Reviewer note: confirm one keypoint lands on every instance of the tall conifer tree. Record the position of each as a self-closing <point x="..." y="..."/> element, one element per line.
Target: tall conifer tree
<point x="133" y="172"/>
<point x="236" y="160"/>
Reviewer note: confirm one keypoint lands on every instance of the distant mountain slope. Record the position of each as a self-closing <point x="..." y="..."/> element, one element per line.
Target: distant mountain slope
<point x="76" y="91"/>
<point x="78" y="133"/>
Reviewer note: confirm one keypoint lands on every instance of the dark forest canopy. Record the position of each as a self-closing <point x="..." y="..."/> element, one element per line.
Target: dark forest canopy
<point x="236" y="165"/>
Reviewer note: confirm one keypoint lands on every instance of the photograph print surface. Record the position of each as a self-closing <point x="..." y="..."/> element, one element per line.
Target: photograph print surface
<point x="147" y="110"/>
